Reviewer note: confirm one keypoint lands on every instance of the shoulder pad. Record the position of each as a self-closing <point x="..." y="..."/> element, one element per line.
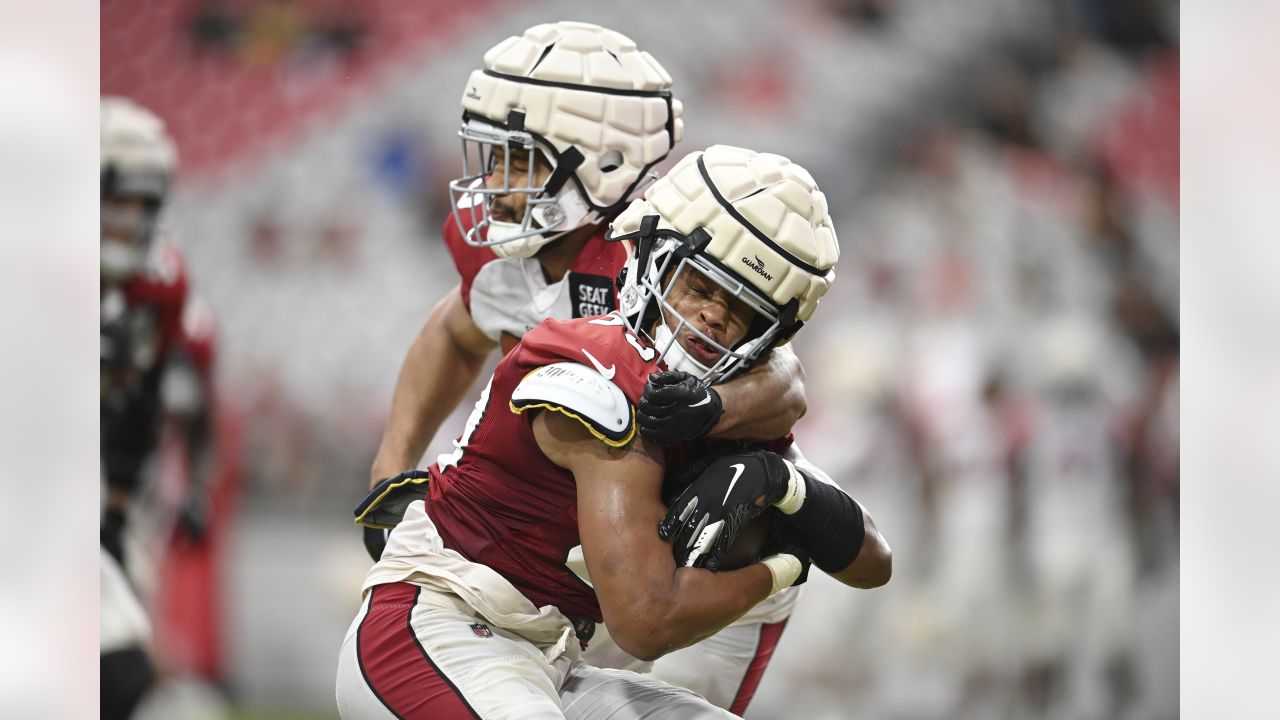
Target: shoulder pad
<point x="581" y="393"/>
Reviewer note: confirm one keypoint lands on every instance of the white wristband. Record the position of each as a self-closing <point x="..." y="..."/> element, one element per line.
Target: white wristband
<point x="785" y="569"/>
<point x="794" y="498"/>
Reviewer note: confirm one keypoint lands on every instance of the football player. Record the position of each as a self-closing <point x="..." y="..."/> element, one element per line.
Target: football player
<point x="541" y="524"/>
<point x="143" y="301"/>
<point x="156" y="357"/>
<point x="561" y="127"/>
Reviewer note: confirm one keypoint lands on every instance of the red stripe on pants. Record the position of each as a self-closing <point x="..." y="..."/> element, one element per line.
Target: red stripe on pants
<point x="769" y="634"/>
<point x="396" y="666"/>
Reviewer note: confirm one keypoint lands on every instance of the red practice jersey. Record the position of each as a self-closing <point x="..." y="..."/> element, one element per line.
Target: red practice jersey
<point x="141" y="325"/>
<point x="498" y="500"/>
<point x="151" y="303"/>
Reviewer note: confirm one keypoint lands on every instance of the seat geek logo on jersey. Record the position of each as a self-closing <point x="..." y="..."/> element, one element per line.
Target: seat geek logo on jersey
<point x="591" y="295"/>
<point x="758" y="266"/>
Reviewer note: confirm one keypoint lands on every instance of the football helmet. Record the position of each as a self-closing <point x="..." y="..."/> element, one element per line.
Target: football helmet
<point x="754" y="223"/>
<point x="584" y="99"/>
<point x="137" y="162"/>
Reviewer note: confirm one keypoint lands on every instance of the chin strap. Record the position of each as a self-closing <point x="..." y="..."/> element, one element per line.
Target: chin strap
<point x="566" y="165"/>
<point x="645" y="237"/>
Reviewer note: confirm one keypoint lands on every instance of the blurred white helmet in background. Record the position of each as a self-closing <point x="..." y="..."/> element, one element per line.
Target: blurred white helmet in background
<point x="137" y="162"/>
<point x="584" y="98"/>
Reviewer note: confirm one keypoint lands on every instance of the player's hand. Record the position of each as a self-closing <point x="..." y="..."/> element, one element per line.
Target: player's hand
<point x="375" y="541"/>
<point x="677" y="407"/>
<point x="784" y="539"/>
<point x="707" y="516"/>
<point x="385" y="506"/>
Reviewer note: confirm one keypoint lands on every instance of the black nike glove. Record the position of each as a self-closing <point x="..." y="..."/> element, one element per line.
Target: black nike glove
<point x="385" y="505"/>
<point x="707" y="516"/>
<point x="677" y="407"/>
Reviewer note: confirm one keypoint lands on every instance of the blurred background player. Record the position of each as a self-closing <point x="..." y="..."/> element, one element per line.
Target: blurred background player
<point x="563" y="125"/>
<point x="157" y="418"/>
<point x="143" y="295"/>
<point x="551" y="466"/>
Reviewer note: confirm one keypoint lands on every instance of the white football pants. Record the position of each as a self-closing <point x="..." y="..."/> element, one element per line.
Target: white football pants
<point x="416" y="653"/>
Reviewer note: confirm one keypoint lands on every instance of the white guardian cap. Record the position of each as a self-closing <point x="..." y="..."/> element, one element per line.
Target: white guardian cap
<point x="754" y="223"/>
<point x="137" y="162"/>
<point x="586" y="101"/>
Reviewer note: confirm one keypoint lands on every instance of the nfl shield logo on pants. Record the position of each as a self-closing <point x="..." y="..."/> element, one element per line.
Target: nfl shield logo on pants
<point x="481" y="630"/>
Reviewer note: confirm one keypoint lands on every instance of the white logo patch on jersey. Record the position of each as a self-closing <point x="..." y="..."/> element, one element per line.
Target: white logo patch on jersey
<point x="606" y="372"/>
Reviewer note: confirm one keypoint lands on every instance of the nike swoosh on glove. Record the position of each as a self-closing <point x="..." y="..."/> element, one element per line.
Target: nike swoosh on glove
<point x="677" y="407"/>
<point x="707" y="515"/>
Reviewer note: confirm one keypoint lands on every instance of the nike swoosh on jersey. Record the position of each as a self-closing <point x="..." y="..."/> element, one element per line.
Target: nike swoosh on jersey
<point x="600" y="368"/>
<point x="737" y="473"/>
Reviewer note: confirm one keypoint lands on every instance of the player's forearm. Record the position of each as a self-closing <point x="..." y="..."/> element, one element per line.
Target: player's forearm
<point x="651" y="606"/>
<point x="841" y="534"/>
<point x="697" y="604"/>
<point x="764" y="403"/>
<point x="873" y="565"/>
<point x="437" y="373"/>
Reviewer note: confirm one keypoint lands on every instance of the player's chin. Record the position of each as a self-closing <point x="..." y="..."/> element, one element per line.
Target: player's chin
<point x="502" y="212"/>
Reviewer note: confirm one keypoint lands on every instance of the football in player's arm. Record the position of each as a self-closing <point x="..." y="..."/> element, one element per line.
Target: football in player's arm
<point x="650" y="606"/>
<point x="651" y="603"/>
<point x="729" y="491"/>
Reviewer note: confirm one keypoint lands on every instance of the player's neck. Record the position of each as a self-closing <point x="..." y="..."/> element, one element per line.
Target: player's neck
<point x="558" y="257"/>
